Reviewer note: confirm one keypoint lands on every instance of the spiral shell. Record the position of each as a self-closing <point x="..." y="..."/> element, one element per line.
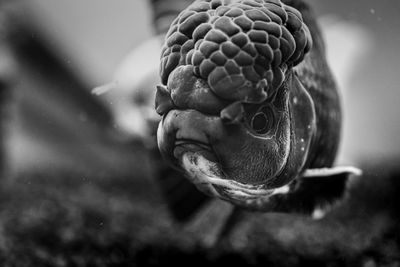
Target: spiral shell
<point x="241" y="48"/>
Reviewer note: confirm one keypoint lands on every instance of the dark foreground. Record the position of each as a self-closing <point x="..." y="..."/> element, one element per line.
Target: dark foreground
<point x="64" y="218"/>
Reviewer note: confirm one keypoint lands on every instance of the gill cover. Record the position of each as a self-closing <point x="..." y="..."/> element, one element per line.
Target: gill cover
<point x="302" y="129"/>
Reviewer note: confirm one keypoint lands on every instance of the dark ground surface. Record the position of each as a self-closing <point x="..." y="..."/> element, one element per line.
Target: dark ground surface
<point x="66" y="218"/>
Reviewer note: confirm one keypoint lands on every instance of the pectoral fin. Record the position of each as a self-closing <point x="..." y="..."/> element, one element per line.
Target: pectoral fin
<point x="313" y="193"/>
<point x="329" y="172"/>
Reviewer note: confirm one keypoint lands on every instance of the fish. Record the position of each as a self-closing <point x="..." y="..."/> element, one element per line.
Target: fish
<point x="248" y="102"/>
<point x="250" y="111"/>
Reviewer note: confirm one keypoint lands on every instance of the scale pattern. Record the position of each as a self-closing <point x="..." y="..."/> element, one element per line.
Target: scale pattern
<point x="242" y="48"/>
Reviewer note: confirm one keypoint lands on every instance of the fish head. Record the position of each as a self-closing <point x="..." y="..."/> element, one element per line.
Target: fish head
<point x="237" y="121"/>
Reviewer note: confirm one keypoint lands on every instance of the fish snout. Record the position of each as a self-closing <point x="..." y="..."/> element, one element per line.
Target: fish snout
<point x="192" y="115"/>
<point x="182" y="131"/>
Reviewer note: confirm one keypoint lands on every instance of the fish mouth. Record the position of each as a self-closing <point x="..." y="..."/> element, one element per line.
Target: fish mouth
<point x="183" y="145"/>
<point x="207" y="175"/>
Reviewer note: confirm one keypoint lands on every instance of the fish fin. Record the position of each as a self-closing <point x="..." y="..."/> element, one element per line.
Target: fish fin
<point x="317" y="193"/>
<point x="213" y="222"/>
<point x="183" y="199"/>
<point x="328" y="172"/>
<point x="313" y="194"/>
<point x="102" y="89"/>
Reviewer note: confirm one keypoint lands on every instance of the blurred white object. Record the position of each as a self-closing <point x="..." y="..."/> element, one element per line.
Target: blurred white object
<point x="347" y="46"/>
<point x="8" y="67"/>
<point x="131" y="92"/>
<point x="347" y="43"/>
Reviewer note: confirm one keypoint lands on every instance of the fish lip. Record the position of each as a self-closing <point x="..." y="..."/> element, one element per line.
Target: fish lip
<point x="184" y="145"/>
<point x="245" y="195"/>
<point x="239" y="191"/>
<point x="187" y="141"/>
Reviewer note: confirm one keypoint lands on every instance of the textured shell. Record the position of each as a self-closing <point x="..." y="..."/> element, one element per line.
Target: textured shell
<point x="241" y="48"/>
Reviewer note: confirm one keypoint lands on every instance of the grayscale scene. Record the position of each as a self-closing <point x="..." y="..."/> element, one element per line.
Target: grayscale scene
<point x="199" y="133"/>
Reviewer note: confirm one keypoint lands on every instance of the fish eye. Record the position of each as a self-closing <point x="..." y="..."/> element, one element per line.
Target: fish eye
<point x="262" y="120"/>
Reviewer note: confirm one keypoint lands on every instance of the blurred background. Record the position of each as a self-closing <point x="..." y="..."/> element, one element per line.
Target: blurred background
<point x="53" y="53"/>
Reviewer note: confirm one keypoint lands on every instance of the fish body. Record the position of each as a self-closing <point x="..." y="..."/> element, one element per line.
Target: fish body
<point x="248" y="102"/>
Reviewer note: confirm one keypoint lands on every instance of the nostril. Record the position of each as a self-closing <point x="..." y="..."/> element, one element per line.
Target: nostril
<point x="233" y="114"/>
<point x="163" y="101"/>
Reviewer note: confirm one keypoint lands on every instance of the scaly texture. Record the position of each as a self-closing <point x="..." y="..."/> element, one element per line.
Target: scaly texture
<point x="241" y="48"/>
